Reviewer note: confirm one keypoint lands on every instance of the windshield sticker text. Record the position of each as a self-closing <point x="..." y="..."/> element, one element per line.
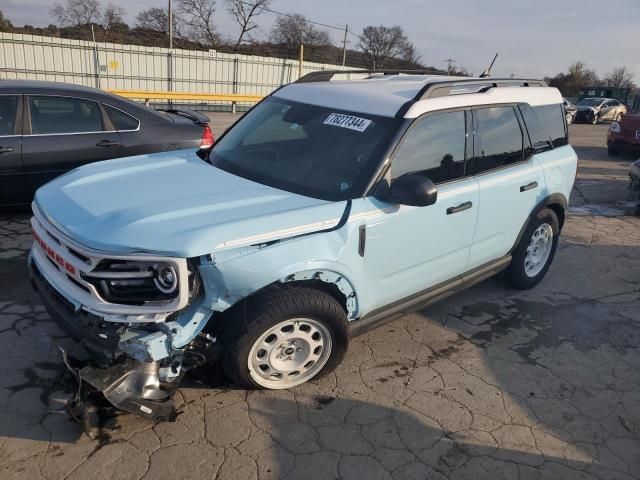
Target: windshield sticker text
<point x="347" y="121"/>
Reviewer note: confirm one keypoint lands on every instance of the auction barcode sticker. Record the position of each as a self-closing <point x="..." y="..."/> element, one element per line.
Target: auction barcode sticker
<point x="347" y="121"/>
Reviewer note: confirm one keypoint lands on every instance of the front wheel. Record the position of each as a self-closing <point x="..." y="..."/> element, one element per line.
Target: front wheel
<point x="290" y="335"/>
<point x="534" y="253"/>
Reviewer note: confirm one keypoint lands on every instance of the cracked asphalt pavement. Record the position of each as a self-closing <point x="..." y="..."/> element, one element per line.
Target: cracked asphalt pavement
<point x="489" y="384"/>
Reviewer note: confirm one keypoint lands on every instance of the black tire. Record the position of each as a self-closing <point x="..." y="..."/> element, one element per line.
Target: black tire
<point x="515" y="274"/>
<point x="261" y="311"/>
<point x="613" y="152"/>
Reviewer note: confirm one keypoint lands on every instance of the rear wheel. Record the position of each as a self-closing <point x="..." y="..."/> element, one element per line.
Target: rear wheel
<point x="291" y="335"/>
<point x="534" y="253"/>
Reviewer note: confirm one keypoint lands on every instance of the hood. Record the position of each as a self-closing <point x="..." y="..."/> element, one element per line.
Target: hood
<point x="630" y="121"/>
<point x="175" y="204"/>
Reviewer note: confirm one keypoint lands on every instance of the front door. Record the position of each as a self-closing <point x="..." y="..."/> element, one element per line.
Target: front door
<point x="65" y="132"/>
<point x="409" y="249"/>
<point x="11" y="181"/>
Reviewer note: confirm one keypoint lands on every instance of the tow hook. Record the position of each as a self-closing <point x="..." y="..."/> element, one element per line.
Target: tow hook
<point x="128" y="385"/>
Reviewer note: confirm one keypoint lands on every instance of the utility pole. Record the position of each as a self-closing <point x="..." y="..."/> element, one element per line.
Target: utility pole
<point x="450" y="62"/>
<point x="170" y="15"/>
<point x="344" y="45"/>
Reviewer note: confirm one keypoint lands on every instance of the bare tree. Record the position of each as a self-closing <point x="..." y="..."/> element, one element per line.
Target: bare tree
<point x="157" y="19"/>
<point x="410" y="54"/>
<point x="379" y="44"/>
<point x="294" y="30"/>
<point x="5" y="24"/>
<point x="619" y="77"/>
<point x="112" y="16"/>
<point x="244" y="14"/>
<point x="77" y="12"/>
<point x="197" y="16"/>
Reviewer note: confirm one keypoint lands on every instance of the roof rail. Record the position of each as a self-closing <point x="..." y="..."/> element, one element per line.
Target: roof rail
<point x="472" y="85"/>
<point x="326" y="75"/>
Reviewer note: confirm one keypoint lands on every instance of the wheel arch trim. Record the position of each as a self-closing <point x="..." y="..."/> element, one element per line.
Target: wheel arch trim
<point x="555" y="201"/>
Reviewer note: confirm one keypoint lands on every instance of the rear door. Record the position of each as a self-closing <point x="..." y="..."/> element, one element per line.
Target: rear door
<point x="607" y="111"/>
<point x="11" y="181"/>
<point x="129" y="129"/>
<point x="510" y="181"/>
<point x="64" y="133"/>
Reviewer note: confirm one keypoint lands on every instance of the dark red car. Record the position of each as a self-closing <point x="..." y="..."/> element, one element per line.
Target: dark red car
<point x="624" y="135"/>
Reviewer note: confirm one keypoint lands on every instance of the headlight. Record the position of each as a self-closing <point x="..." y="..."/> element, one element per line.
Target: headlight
<point x="134" y="282"/>
<point x="165" y="278"/>
<point x="615" y="127"/>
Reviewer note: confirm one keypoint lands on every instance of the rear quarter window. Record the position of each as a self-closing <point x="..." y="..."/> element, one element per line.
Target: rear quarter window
<point x="122" y="121"/>
<point x="551" y="117"/>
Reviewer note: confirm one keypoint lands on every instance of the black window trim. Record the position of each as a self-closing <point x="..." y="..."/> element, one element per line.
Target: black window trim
<point x="525" y="157"/>
<point x="137" y="129"/>
<point x="382" y="176"/>
<point x="106" y="121"/>
<point x="17" y="117"/>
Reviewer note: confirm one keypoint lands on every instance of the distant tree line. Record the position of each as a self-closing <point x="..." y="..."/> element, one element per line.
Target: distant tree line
<point x="578" y="76"/>
<point x="194" y="28"/>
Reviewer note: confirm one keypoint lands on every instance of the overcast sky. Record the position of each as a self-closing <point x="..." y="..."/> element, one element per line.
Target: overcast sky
<point x="534" y="38"/>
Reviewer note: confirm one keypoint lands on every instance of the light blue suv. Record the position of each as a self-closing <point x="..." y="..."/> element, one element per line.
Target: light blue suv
<point x="329" y="208"/>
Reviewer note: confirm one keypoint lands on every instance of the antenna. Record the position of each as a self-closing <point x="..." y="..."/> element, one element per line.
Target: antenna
<point x="487" y="72"/>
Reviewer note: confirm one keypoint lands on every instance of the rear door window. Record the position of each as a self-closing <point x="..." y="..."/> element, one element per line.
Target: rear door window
<point x="434" y="146"/>
<point x="8" y="106"/>
<point x="121" y="120"/>
<point x="56" y="115"/>
<point x="499" y="140"/>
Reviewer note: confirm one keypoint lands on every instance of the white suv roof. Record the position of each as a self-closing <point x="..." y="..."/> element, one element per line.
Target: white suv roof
<point x="387" y="95"/>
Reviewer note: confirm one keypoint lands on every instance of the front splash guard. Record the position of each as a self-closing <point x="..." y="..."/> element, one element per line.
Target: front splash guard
<point x="128" y="385"/>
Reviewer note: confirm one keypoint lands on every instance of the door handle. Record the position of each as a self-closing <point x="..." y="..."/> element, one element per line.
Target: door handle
<point x="107" y="143"/>
<point x="528" y="186"/>
<point x="6" y="149"/>
<point x="459" y="208"/>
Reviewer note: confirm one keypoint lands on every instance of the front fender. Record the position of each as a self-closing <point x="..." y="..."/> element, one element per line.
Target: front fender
<point x="326" y="256"/>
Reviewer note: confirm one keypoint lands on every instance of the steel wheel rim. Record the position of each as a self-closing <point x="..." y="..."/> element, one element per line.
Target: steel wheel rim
<point x="290" y="353"/>
<point x="538" y="250"/>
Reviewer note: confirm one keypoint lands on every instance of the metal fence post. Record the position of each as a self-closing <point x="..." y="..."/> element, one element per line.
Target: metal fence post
<point x="235" y="83"/>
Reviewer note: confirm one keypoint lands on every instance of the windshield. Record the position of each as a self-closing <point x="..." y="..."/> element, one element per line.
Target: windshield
<point x="314" y="151"/>
<point x="590" y="102"/>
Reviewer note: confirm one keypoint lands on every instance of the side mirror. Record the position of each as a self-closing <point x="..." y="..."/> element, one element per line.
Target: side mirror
<point x="413" y="189"/>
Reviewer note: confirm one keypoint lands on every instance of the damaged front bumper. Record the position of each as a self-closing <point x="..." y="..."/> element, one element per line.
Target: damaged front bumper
<point x="137" y="358"/>
<point x="136" y="369"/>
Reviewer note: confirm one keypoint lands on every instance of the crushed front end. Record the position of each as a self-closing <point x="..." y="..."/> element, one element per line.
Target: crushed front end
<point x="140" y="317"/>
